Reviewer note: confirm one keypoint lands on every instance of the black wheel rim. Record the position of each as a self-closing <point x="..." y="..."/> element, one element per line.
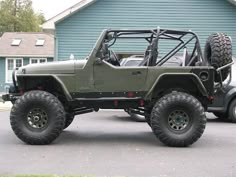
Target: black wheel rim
<point x="178" y="120"/>
<point x="37" y="118"/>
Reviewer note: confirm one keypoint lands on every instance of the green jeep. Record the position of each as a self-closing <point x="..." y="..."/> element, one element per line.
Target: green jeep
<point x="172" y="97"/>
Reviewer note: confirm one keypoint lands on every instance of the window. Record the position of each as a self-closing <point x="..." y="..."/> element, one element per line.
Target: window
<point x="38" y="60"/>
<point x="42" y="60"/>
<point x="11" y="64"/>
<point x="16" y="42"/>
<point x="40" y="42"/>
<point x="33" y="61"/>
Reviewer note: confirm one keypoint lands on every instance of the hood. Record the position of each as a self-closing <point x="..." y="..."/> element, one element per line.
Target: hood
<point x="58" y="67"/>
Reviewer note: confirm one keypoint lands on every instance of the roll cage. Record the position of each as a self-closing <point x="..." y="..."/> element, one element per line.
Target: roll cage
<point x="195" y="57"/>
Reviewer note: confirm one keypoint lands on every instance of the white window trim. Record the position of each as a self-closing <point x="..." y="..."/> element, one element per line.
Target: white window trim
<point x="14" y="63"/>
<point x="38" y="59"/>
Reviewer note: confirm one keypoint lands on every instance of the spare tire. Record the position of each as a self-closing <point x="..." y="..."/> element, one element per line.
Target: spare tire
<point x="218" y="53"/>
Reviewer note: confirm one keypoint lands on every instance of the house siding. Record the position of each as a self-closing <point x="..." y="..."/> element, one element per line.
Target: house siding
<point x="78" y="33"/>
<point x="26" y="61"/>
<point x="2" y="73"/>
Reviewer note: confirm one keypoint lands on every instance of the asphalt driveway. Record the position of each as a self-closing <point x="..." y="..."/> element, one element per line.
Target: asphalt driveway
<point x="108" y="143"/>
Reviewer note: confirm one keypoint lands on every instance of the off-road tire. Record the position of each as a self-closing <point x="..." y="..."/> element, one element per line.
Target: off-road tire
<point x="164" y="129"/>
<point x="232" y="111"/>
<point x="221" y="115"/>
<point x="218" y="52"/>
<point x="148" y="120"/>
<point x="69" y="119"/>
<point x="24" y="126"/>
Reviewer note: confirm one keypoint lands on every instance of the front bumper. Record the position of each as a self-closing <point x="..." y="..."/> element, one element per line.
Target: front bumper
<point x="5" y="98"/>
<point x="9" y="97"/>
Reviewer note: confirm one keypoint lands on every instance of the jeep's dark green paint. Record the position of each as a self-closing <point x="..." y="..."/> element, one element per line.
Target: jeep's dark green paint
<point x="94" y="76"/>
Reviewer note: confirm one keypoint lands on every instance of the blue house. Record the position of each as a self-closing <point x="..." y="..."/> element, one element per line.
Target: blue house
<point x="19" y="48"/>
<point x="76" y="29"/>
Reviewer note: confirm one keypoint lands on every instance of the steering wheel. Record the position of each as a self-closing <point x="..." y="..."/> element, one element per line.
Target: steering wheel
<point x="114" y="59"/>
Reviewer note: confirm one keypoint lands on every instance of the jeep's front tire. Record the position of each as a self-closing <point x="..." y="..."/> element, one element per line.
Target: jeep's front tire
<point x="37" y="118"/>
<point x="178" y="119"/>
<point x="69" y="119"/>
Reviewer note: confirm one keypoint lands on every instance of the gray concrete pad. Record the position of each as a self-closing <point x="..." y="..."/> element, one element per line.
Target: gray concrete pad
<point x="109" y="144"/>
<point x="5" y="106"/>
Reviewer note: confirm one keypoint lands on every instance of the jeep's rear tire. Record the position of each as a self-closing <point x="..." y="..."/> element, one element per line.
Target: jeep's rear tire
<point x="178" y="119"/>
<point x="218" y="52"/>
<point x="37" y="118"/>
<point x="69" y="119"/>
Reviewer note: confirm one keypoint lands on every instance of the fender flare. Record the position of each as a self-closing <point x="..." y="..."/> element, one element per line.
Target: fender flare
<point x="193" y="76"/>
<point x="57" y="79"/>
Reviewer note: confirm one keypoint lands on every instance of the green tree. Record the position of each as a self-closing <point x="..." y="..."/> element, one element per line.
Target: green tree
<point x="8" y="18"/>
<point x="18" y="15"/>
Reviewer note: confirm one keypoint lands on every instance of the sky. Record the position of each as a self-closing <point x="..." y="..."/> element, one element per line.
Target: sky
<point x="51" y="8"/>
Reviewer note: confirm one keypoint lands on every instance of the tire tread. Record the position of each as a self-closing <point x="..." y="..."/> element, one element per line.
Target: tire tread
<point x="168" y="100"/>
<point x="30" y="97"/>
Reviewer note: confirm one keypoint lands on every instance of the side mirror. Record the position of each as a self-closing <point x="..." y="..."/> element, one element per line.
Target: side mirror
<point x="98" y="61"/>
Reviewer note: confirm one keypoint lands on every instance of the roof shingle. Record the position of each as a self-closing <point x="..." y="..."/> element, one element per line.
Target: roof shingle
<point x="27" y="47"/>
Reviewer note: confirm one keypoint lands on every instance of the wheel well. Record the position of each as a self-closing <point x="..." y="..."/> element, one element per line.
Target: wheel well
<point x="46" y="83"/>
<point x="178" y="83"/>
